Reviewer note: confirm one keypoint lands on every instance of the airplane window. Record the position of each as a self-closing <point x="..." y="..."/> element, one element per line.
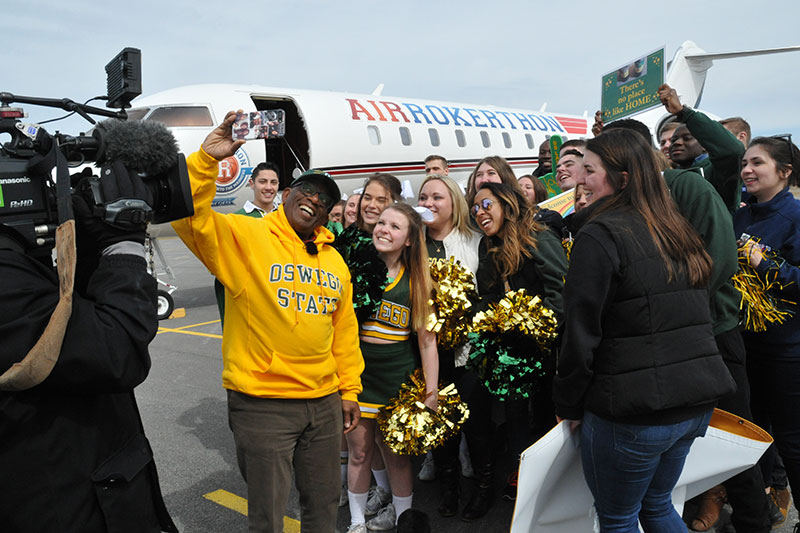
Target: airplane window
<point x="182" y="116"/>
<point x="460" y="138"/>
<point x="485" y="139"/>
<point x="138" y="113"/>
<point x="506" y="139"/>
<point x="434" y="134"/>
<point x="405" y="136"/>
<point x="529" y="140"/>
<point x="374" y="135"/>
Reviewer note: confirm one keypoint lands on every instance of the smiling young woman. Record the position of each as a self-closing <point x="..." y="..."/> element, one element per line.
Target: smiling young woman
<point x="448" y="235"/>
<point x="516" y="253"/>
<point x="389" y="359"/>
<point x="639" y="371"/>
<point x="380" y="191"/>
<point x="772" y="218"/>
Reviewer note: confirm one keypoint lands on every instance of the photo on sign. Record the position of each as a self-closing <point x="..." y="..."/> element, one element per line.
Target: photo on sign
<point x="632" y="71"/>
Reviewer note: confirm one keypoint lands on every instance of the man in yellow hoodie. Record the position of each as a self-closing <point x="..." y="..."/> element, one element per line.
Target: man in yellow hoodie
<point x="292" y="362"/>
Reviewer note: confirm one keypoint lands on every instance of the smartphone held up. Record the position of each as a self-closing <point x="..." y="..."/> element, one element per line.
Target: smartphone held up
<point x="268" y="124"/>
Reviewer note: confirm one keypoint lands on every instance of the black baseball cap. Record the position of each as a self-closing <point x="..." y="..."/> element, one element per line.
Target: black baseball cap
<point x="321" y="179"/>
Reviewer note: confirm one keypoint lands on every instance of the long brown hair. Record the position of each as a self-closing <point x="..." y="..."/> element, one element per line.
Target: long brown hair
<point x="391" y="186"/>
<point x="518" y="235"/>
<point x="415" y="260"/>
<point x="501" y="166"/>
<point x="644" y="191"/>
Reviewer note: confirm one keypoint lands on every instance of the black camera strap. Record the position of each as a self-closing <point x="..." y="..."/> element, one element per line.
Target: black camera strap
<point x="42" y="165"/>
<point x="40" y="360"/>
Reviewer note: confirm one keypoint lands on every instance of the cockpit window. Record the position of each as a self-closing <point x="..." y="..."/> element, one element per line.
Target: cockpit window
<point x="138" y="113"/>
<point x="182" y="116"/>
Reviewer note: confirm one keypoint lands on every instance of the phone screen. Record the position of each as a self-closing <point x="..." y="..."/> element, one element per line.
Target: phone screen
<point x="269" y="124"/>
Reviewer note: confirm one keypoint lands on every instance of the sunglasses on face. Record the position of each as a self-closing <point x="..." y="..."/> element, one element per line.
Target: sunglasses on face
<point x="484" y="204"/>
<point x="309" y="189"/>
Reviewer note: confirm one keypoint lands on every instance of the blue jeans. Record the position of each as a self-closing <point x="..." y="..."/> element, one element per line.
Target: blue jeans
<point x="632" y="470"/>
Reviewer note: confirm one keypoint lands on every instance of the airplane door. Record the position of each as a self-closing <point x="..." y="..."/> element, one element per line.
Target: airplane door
<point x="291" y="151"/>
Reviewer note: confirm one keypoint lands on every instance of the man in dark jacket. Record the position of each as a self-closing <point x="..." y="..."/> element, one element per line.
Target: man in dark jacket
<point x="73" y="454"/>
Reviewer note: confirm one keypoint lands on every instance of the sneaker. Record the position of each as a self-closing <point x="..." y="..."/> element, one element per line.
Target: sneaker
<point x="782" y="501"/>
<point x="510" y="492"/>
<point x="385" y="520"/>
<point x="343" y="500"/>
<point x="357" y="528"/>
<point x="428" y="470"/>
<point x="376" y="500"/>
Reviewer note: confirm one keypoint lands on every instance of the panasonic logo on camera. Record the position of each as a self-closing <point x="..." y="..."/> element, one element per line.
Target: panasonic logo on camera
<point x="12" y="181"/>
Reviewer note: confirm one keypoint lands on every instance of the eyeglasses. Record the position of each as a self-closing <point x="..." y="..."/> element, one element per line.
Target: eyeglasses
<point x="484" y="204"/>
<point x="309" y="189"/>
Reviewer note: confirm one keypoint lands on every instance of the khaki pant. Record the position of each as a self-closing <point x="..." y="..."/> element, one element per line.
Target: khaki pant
<point x="272" y="437"/>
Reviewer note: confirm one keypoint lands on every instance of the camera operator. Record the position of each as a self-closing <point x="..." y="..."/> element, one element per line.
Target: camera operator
<point x="73" y="453"/>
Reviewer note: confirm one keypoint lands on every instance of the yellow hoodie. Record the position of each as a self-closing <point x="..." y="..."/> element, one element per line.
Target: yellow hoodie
<point x="290" y="330"/>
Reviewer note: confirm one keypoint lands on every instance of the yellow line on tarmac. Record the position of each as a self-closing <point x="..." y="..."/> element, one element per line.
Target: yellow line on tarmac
<point x="170" y="330"/>
<point x="200" y="324"/>
<point x="239" y="504"/>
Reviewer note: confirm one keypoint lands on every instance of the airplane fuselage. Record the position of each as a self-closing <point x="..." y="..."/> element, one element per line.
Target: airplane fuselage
<point x="352" y="136"/>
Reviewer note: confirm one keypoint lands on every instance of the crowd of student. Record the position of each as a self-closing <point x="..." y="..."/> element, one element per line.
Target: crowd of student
<point x="648" y="318"/>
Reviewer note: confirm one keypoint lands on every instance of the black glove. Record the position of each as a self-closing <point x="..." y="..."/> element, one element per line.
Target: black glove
<point x="93" y="232"/>
<point x="126" y="201"/>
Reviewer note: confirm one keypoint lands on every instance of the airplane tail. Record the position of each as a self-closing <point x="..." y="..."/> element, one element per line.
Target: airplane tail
<point x="686" y="73"/>
<point x="688" y="69"/>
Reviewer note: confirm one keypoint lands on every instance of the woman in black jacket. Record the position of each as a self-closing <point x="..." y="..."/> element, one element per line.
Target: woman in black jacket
<point x="515" y="253"/>
<point x="638" y="365"/>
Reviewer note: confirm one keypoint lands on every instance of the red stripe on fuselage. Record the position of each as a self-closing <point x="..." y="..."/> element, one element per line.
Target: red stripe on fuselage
<point x="416" y="168"/>
<point x="573" y="125"/>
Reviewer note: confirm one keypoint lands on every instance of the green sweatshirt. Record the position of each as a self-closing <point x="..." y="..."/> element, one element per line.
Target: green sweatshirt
<point x="700" y="204"/>
<point x="725" y="152"/>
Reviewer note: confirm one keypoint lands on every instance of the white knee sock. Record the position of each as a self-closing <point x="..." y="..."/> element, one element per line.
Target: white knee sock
<point x="381" y="478"/>
<point x="358" y="504"/>
<point x="343" y="456"/>
<point x="401" y="503"/>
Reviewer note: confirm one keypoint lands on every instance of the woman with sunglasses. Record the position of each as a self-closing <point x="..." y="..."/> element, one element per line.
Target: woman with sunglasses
<point x="772" y="220"/>
<point x="638" y="371"/>
<point x="516" y="252"/>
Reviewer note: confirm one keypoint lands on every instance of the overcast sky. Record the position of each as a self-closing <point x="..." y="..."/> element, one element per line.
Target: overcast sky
<point x="513" y="54"/>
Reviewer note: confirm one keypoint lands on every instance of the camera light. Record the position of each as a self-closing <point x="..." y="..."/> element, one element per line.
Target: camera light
<point x="11" y="112"/>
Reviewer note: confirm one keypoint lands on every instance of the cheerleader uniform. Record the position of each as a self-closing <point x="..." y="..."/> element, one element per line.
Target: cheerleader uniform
<point x="387" y="366"/>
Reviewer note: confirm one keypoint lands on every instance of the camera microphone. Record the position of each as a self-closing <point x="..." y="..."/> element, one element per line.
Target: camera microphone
<point x="148" y="150"/>
<point x="144" y="147"/>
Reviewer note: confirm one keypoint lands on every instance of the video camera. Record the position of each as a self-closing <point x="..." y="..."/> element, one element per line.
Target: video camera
<point x="29" y="208"/>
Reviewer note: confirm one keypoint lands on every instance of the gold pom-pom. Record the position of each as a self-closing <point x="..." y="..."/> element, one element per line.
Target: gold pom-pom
<point x="760" y="305"/>
<point x="408" y="427"/>
<point x="567" y="245"/>
<point x="451" y="302"/>
<point x="518" y="312"/>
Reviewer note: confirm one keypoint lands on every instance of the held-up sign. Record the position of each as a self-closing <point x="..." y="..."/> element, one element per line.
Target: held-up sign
<point x="633" y="87"/>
